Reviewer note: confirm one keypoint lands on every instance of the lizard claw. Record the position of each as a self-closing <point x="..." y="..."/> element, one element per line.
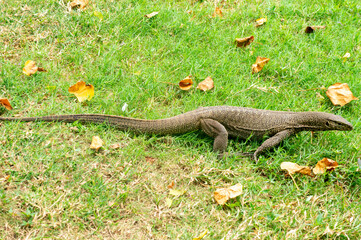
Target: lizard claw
<point x="252" y="155"/>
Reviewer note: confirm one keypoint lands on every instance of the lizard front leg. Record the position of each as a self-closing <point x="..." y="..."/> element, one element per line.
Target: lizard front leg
<point x="217" y="131"/>
<point x="273" y="141"/>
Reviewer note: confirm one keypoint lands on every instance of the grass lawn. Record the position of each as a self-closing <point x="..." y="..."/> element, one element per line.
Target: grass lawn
<point x="54" y="186"/>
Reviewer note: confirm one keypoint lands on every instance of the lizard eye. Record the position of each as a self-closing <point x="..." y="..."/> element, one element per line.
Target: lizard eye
<point x="327" y="124"/>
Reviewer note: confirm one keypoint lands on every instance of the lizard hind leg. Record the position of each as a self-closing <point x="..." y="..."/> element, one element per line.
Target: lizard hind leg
<point x="217" y="131"/>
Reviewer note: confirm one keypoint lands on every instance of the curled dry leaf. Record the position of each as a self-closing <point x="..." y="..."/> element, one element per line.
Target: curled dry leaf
<point x="311" y="29"/>
<point x="171" y="185"/>
<point x="5" y="102"/>
<point x="206" y="84"/>
<point x="150" y="15"/>
<point x="149" y="159"/>
<point x="293" y="168"/>
<point x="186" y="83"/>
<point x="222" y="195"/>
<point x="260" y="21"/>
<point x="115" y="146"/>
<point x="30" y="68"/>
<point x="340" y="94"/>
<point x="96" y="143"/>
<point x="79" y="3"/>
<point x="217" y="12"/>
<point x="201" y="235"/>
<point x="243" y="42"/>
<point x="324" y="165"/>
<point x="260" y="62"/>
<point x="82" y="91"/>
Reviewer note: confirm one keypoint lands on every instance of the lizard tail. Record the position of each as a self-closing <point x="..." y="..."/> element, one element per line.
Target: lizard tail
<point x="175" y="125"/>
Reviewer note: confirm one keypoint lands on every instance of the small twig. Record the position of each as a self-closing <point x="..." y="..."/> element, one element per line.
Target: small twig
<point x="294" y="182"/>
<point x="312" y="89"/>
<point x="170" y="83"/>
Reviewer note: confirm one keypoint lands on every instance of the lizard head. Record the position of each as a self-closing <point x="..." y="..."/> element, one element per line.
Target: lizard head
<point x="319" y="121"/>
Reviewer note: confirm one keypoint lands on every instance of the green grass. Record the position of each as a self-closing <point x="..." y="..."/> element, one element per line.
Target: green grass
<point x="54" y="186"/>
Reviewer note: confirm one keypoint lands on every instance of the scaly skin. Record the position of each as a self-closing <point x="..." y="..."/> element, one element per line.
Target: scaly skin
<point x="218" y="122"/>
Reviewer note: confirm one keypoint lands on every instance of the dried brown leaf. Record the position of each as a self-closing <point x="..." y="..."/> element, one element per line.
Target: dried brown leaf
<point x="260" y="62"/>
<point x="5" y="103"/>
<point x="311" y="29"/>
<point x="79" y="3"/>
<point x="186" y="83"/>
<point x="324" y="165"/>
<point x="222" y="195"/>
<point x="115" y="146"/>
<point x="206" y="84"/>
<point x="96" y="143"/>
<point x="150" y="159"/>
<point x="340" y="94"/>
<point x="217" y="12"/>
<point x="243" y="42"/>
<point x="293" y="168"/>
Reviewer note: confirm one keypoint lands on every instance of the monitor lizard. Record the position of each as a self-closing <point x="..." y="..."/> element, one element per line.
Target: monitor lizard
<point x="218" y="122"/>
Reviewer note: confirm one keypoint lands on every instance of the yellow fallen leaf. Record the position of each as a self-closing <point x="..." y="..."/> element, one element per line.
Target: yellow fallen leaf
<point x="340" y="94"/>
<point x="30" y="68"/>
<point x="186" y="83"/>
<point x="98" y="15"/>
<point x="260" y="21"/>
<point x="206" y="84"/>
<point x="150" y="15"/>
<point x="260" y="62"/>
<point x="177" y="192"/>
<point x="79" y="3"/>
<point x="293" y="168"/>
<point x="168" y="202"/>
<point x="82" y="91"/>
<point x="217" y="12"/>
<point x="222" y="195"/>
<point x="319" y="97"/>
<point x="311" y="29"/>
<point x="201" y="235"/>
<point x="324" y="165"/>
<point x="5" y="103"/>
<point x="243" y="42"/>
<point x="96" y="143"/>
